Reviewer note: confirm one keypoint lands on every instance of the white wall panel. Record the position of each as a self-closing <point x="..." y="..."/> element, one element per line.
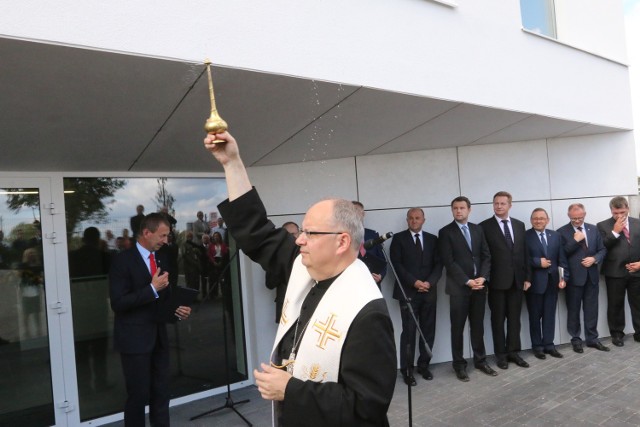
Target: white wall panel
<point x="419" y="178"/>
<point x="293" y="188"/>
<point x="595" y="165"/>
<point x="521" y="168"/>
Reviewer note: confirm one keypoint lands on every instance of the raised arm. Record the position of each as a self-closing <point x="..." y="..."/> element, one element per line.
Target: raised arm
<point x="228" y="155"/>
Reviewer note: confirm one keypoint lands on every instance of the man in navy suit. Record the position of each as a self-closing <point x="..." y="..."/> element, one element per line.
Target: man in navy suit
<point x="139" y="288"/>
<point x="585" y="251"/>
<point x="467" y="260"/>
<point x="415" y="258"/>
<point x="510" y="275"/>
<point x="374" y="252"/>
<point x="621" y="269"/>
<point x="546" y="254"/>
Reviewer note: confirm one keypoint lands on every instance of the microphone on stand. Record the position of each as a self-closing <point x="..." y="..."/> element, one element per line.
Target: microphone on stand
<point x="378" y="240"/>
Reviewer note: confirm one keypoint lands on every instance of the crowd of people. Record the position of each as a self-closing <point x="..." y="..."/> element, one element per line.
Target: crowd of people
<point x="501" y="262"/>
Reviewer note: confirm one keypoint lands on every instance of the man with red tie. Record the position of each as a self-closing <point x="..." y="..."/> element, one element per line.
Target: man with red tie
<point x="621" y="269"/>
<point x="139" y="285"/>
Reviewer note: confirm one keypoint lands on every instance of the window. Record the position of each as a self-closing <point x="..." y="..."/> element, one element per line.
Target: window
<point x="538" y="16"/>
<point x="100" y="216"/>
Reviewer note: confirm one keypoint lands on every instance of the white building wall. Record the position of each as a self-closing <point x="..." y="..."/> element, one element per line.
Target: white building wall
<point x="475" y="53"/>
<point x="550" y="174"/>
<point x="593" y="25"/>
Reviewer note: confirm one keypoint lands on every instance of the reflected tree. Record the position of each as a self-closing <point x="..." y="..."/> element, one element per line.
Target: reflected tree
<point x="86" y="199"/>
<point x="164" y="198"/>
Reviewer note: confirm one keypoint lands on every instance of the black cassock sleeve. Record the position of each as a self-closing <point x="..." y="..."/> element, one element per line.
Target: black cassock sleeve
<point x="273" y="248"/>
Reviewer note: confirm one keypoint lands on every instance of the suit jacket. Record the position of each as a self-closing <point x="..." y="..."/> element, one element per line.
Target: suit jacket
<point x="577" y="273"/>
<point x="375" y="251"/>
<point x="138" y="313"/>
<point x="619" y="251"/>
<point x="507" y="264"/>
<point x="459" y="261"/>
<point x="409" y="267"/>
<point x="543" y="277"/>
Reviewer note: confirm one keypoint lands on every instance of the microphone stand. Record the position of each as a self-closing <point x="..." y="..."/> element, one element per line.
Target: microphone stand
<point x="229" y="403"/>
<point x="407" y="301"/>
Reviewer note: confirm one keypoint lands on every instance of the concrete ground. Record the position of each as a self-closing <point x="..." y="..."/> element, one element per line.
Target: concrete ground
<point x="588" y="389"/>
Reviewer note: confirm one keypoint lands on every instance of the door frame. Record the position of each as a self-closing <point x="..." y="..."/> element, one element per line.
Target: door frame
<point x="57" y="294"/>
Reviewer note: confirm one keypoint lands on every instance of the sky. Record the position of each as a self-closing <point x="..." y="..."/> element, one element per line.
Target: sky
<point x="632" y="21"/>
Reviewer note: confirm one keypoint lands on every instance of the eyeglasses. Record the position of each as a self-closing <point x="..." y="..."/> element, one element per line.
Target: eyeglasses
<point x="578" y="218"/>
<point x="308" y="233"/>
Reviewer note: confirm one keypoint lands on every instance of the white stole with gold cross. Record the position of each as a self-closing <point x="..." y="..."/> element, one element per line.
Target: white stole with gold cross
<point x="318" y="356"/>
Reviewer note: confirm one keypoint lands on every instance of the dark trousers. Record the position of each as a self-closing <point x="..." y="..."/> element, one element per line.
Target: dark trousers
<point x="147" y="380"/>
<point x="424" y="308"/>
<point x="586" y="297"/>
<point x="616" y="289"/>
<point x="542" y="317"/>
<point x="461" y="308"/>
<point x="505" y="305"/>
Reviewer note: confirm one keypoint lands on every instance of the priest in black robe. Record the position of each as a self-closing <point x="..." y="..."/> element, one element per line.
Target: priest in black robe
<point x="367" y="361"/>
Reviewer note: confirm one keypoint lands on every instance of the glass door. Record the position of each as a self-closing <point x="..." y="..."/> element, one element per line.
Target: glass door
<point x="31" y="363"/>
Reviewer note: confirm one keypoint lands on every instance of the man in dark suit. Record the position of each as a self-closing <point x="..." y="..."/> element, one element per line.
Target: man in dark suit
<point x="135" y="221"/>
<point x="621" y="269"/>
<point x="467" y="260"/>
<point x="585" y="251"/>
<point x="372" y="256"/>
<point x="546" y="254"/>
<point x="138" y="287"/>
<point x="415" y="258"/>
<point x="509" y="276"/>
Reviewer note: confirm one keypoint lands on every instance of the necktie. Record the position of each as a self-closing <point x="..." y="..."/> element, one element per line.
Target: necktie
<point x="625" y="231"/>
<point x="418" y="245"/>
<point x="543" y="240"/>
<point x="507" y="234"/>
<point x="467" y="236"/>
<point x="152" y="264"/>
<point x="583" y="242"/>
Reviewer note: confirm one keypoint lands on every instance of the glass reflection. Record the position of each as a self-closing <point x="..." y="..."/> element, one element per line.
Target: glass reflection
<point x="26" y="396"/>
<point x="103" y="217"/>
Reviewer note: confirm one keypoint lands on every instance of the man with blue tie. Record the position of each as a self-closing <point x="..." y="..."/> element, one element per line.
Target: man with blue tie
<point x="585" y="251"/>
<point x="546" y="254"/>
<point x="467" y="260"/>
<point x="415" y="258"/>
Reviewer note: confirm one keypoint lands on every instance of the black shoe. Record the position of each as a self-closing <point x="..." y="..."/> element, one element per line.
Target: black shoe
<point x="515" y="358"/>
<point x="554" y="353"/>
<point x="540" y="355"/>
<point x="598" y="346"/>
<point x="577" y="346"/>
<point x="409" y="380"/>
<point x="502" y="364"/>
<point x="636" y="338"/>
<point x="426" y="373"/>
<point x="618" y="341"/>
<point x="487" y="370"/>
<point x="461" y="374"/>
